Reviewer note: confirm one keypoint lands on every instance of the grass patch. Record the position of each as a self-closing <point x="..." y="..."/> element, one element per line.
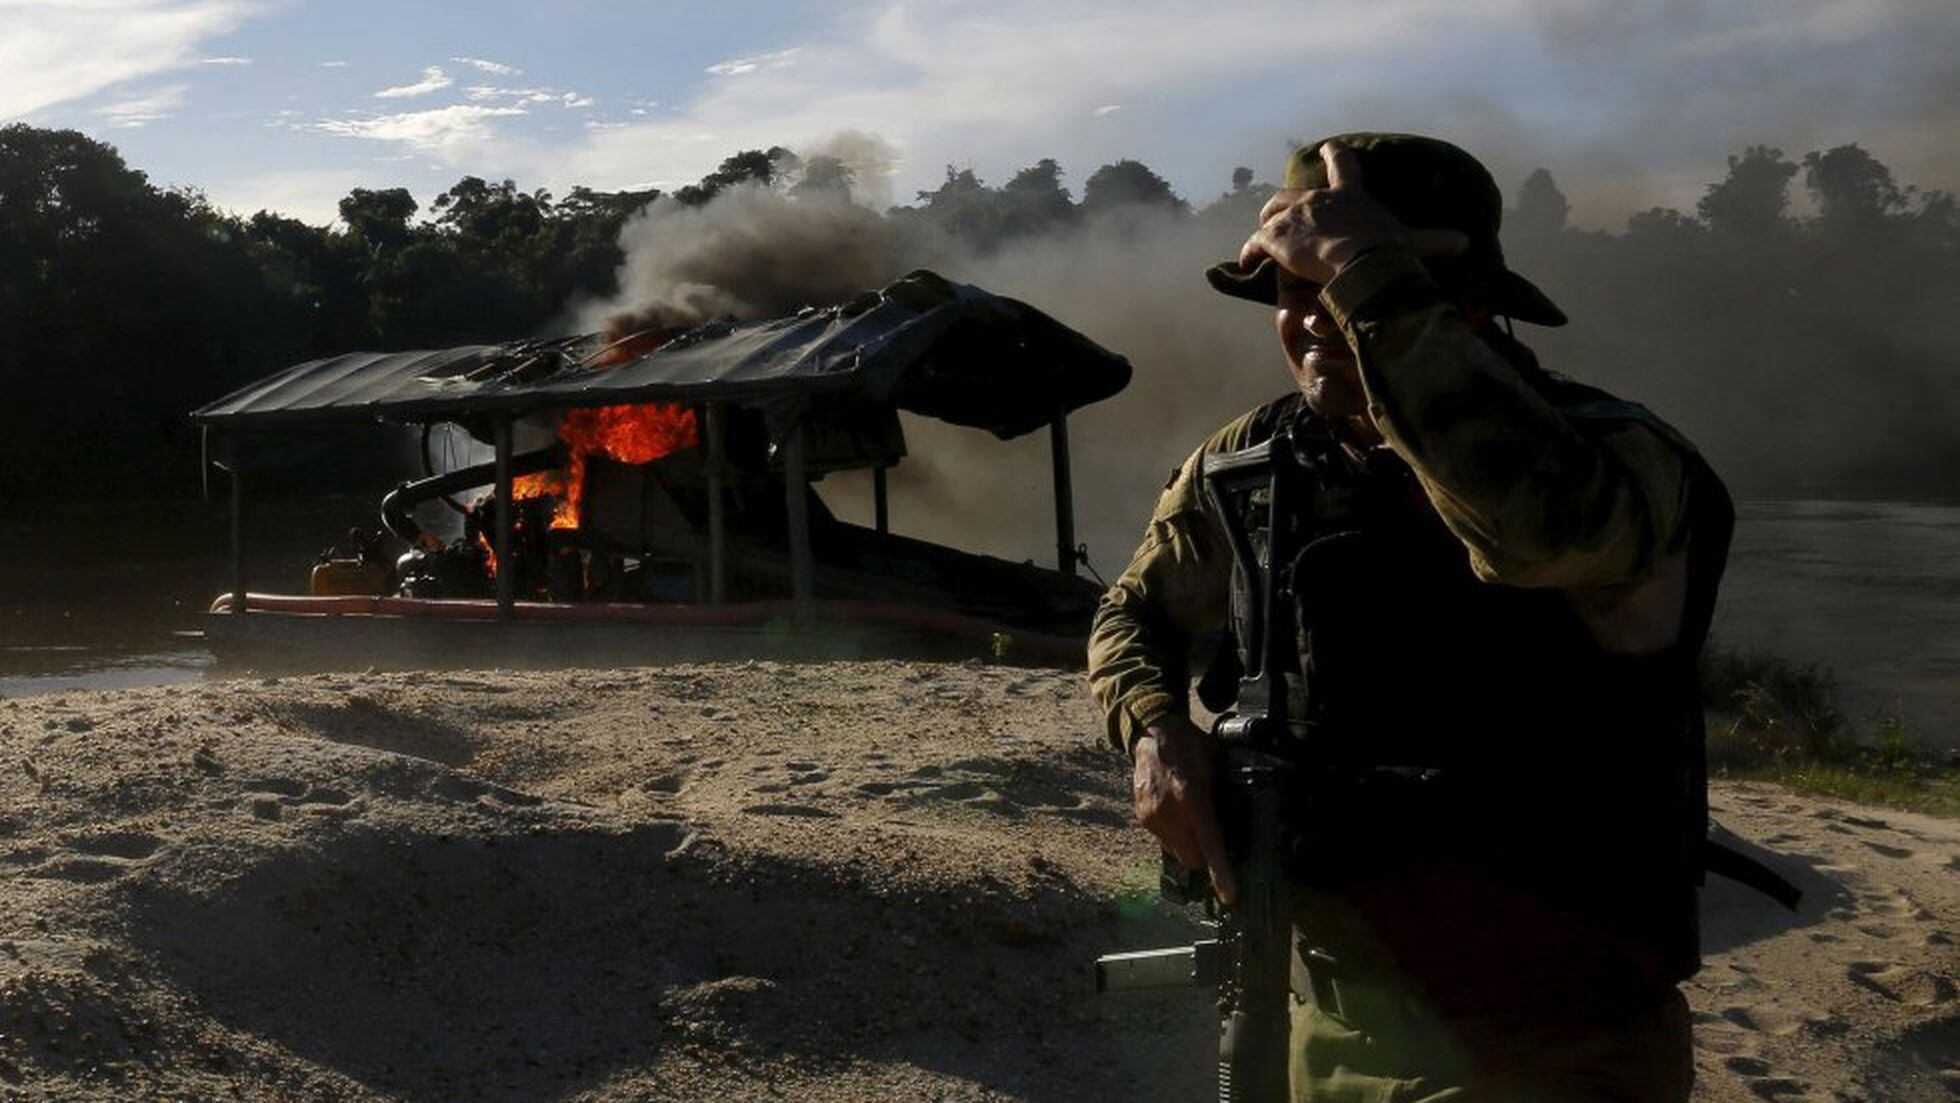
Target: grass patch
<point x="1772" y="719"/>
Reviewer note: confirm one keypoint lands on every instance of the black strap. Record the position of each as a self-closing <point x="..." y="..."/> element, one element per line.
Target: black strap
<point x="1726" y="861"/>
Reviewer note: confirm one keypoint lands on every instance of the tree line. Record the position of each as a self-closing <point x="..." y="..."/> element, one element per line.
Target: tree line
<point x="123" y="305"/>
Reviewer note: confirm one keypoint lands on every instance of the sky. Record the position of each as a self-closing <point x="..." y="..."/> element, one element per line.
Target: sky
<point x="287" y="105"/>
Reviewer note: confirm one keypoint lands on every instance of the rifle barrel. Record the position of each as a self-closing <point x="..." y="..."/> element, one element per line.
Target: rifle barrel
<point x="1196" y="966"/>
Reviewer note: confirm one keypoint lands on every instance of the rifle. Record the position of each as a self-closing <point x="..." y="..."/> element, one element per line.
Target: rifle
<point x="1249" y="961"/>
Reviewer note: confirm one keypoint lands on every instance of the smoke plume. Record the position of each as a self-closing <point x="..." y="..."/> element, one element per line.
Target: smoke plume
<point x="1134" y="284"/>
<point x="1823" y="366"/>
<point x="755" y="252"/>
<point x="868" y="161"/>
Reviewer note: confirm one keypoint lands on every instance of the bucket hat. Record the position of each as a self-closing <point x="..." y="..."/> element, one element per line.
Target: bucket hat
<point x="1426" y="183"/>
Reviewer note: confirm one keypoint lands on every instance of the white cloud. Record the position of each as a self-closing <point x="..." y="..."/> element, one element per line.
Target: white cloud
<point x="333" y="65"/>
<point x="1001" y="85"/>
<point x="740" y="65"/>
<point x="998" y="86"/>
<point x="448" y="131"/>
<point x="225" y="61"/>
<point x="433" y="80"/>
<point x="496" y="68"/>
<point x="537" y="96"/>
<point x="1833" y="21"/>
<point x="55" y="53"/>
<point x="144" y="109"/>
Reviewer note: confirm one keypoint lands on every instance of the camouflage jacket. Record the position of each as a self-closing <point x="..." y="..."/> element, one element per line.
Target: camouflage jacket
<point x="1544" y="483"/>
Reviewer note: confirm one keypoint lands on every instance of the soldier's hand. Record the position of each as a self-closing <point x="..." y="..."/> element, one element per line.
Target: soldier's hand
<point x="1170" y="790"/>
<point x="1312" y="233"/>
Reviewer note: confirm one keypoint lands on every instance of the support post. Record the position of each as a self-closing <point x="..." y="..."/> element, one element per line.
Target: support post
<point x="717" y="509"/>
<point x="237" y="538"/>
<point x="796" y="485"/>
<point x="881" y="503"/>
<point x="506" y="572"/>
<point x="1064" y="495"/>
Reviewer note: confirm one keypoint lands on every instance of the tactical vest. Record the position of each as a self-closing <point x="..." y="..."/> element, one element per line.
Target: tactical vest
<point x="1444" y="721"/>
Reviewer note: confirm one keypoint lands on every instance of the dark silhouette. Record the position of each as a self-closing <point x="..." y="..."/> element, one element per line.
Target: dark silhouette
<point x="1128" y="184"/>
<point x="1813" y="348"/>
<point x="1753" y="199"/>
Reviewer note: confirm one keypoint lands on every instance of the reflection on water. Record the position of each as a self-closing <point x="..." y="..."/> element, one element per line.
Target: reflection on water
<point x="1869" y="589"/>
<point x="27" y="670"/>
<point x="111" y="598"/>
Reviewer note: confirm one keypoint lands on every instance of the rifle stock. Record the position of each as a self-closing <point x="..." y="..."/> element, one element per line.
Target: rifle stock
<point x="1249" y="963"/>
<point x="1253" y="1019"/>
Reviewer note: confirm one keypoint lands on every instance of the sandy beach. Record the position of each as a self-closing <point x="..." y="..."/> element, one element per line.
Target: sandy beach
<point x="869" y="881"/>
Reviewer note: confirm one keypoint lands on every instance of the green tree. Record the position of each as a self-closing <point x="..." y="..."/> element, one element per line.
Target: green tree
<point x="1753" y="199"/>
<point x="750" y="166"/>
<point x="1034" y="200"/>
<point x="1852" y="189"/>
<point x="1238" y="208"/>
<point x="379" y="219"/>
<point x="1128" y="184"/>
<point x="585" y="257"/>
<point x="964" y="208"/>
<point x="822" y="176"/>
<point x="317" y="275"/>
<point x="121" y="306"/>
<point x="1542" y="209"/>
<point x="491" y="216"/>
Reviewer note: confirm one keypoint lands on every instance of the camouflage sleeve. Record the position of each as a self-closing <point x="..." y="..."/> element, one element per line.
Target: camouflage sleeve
<point x="1175" y="590"/>
<point x="1539" y="495"/>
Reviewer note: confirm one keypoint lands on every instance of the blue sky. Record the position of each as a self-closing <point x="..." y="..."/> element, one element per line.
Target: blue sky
<point x="288" y="104"/>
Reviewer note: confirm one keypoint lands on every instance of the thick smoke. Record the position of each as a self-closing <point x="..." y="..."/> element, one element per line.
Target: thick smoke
<point x="1131" y="283"/>
<point x="1824" y="370"/>
<point x="868" y="163"/>
<point x="1135" y="285"/>
<point x="750" y="253"/>
<point x="1819" y="369"/>
<point x="755" y="252"/>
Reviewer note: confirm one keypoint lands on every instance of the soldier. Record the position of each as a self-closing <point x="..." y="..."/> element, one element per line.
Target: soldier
<point x="1506" y="581"/>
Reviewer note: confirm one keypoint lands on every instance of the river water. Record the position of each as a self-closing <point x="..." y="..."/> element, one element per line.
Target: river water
<point x="1868" y="589"/>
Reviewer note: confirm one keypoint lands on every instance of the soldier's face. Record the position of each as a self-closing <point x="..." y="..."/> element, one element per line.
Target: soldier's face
<point x="1322" y="364"/>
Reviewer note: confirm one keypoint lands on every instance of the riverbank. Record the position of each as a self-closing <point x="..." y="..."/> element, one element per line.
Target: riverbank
<point x="832" y="882"/>
<point x="1869" y="591"/>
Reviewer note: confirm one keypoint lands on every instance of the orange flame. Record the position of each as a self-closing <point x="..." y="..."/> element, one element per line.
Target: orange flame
<point x="543" y="484"/>
<point x="638" y="433"/>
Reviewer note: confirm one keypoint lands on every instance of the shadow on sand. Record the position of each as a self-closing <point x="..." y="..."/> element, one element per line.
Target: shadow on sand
<point x="531" y="966"/>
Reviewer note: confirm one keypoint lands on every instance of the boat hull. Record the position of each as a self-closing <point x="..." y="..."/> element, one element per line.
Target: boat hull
<point x="278" y="632"/>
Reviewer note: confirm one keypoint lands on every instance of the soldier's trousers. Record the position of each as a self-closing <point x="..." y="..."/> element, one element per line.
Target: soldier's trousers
<point x="1370" y="1045"/>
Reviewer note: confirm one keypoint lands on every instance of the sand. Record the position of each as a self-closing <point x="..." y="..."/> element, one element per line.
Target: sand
<point x="872" y="881"/>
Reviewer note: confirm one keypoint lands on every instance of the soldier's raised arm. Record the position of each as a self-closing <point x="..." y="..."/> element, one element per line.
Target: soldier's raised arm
<point x="1575" y="497"/>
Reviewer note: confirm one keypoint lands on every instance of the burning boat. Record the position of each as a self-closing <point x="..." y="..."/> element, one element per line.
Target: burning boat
<point x="651" y="498"/>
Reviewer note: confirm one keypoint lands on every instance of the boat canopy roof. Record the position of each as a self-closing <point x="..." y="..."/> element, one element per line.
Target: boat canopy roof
<point x="923" y="344"/>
